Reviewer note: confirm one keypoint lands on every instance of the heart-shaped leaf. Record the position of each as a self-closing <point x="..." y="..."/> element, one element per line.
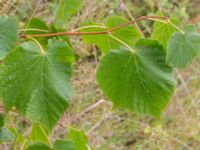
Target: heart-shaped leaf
<point x="38" y="84"/>
<point x="139" y="81"/>
<point x="182" y="48"/>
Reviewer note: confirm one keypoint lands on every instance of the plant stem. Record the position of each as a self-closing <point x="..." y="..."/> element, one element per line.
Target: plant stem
<point x="33" y="29"/>
<point x="123" y="43"/>
<point x="176" y="27"/>
<point x="108" y="31"/>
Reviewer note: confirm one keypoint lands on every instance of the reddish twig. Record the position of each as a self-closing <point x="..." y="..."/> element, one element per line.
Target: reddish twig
<point x="108" y="31"/>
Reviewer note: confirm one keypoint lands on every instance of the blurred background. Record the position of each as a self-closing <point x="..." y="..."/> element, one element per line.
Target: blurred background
<point x="108" y="129"/>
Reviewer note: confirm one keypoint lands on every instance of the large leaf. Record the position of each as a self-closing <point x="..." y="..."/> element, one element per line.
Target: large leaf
<point x="129" y="35"/>
<point x="8" y="34"/>
<point x="182" y="48"/>
<point x="139" y="81"/>
<point x="38" y="84"/>
<point x="65" y="10"/>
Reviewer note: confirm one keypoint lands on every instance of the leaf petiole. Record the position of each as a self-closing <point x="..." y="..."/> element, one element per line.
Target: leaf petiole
<point x="38" y="44"/>
<point x="33" y="29"/>
<point x="175" y="26"/>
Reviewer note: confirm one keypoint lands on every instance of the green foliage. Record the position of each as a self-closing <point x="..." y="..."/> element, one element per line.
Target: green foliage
<point x="79" y="138"/>
<point x="37" y="26"/>
<point x="1" y="120"/>
<point x="58" y="145"/>
<point x="39" y="134"/>
<point x="65" y="10"/>
<point x="63" y="145"/>
<point x="128" y="34"/>
<point x="134" y="73"/>
<point x="39" y="146"/>
<point x="163" y="31"/>
<point x="182" y="48"/>
<point x="76" y="140"/>
<point x="8" y="34"/>
<point x="37" y="83"/>
<point x="133" y="79"/>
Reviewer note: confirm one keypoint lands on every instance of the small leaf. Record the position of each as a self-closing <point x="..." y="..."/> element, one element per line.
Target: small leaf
<point x="163" y="31"/>
<point x="65" y="10"/>
<point x="37" y="26"/>
<point x="39" y="146"/>
<point x="128" y="35"/>
<point x="182" y="48"/>
<point x="39" y="134"/>
<point x="79" y="138"/>
<point x="139" y="81"/>
<point x="8" y="35"/>
<point x="64" y="145"/>
<point x="37" y="84"/>
<point x="6" y="135"/>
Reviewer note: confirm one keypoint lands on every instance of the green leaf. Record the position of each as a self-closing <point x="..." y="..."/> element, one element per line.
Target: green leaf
<point x="6" y="135"/>
<point x="79" y="138"/>
<point x="182" y="48"/>
<point x="65" y="10"/>
<point x="38" y="84"/>
<point x="39" y="134"/>
<point x="1" y="120"/>
<point x="163" y="31"/>
<point x="65" y="38"/>
<point x="140" y="81"/>
<point x="128" y="34"/>
<point x="39" y="146"/>
<point x="37" y="26"/>
<point x="8" y="34"/>
<point x="64" y="145"/>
